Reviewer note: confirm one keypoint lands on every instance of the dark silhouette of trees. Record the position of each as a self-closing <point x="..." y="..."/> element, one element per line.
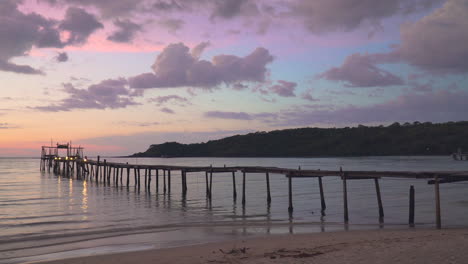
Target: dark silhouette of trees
<point x="396" y="139"/>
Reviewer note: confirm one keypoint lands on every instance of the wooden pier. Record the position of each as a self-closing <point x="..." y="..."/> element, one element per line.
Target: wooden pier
<point x="120" y="173"/>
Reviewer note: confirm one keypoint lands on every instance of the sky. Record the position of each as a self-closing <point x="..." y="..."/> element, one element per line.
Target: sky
<point x="115" y="76"/>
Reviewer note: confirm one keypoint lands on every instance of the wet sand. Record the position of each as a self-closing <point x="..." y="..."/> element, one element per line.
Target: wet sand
<point x="381" y="246"/>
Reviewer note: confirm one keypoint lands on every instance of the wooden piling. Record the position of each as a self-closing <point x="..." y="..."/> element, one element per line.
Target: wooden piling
<point x="411" y="206"/>
<point x="138" y="170"/>
<point x="135" y="176"/>
<point x="164" y="181"/>
<point x="234" y="191"/>
<point x="211" y="183"/>
<point x="379" y="198"/>
<point x="243" y="188"/>
<point x="169" y="181"/>
<point x="290" y="208"/>
<point x="322" y="195"/>
<point x="149" y="179"/>
<point x="157" y="180"/>
<point x="345" y="197"/>
<point x="128" y="176"/>
<point x="206" y="183"/>
<point x="437" y="202"/>
<point x="146" y="178"/>
<point x="268" y="188"/>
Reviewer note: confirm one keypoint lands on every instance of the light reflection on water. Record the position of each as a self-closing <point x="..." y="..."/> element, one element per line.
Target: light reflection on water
<point x="39" y="209"/>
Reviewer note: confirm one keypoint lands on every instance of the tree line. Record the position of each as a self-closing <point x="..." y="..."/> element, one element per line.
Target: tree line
<point x="396" y="139"/>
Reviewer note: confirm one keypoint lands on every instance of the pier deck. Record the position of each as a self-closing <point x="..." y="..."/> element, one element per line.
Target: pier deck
<point x="114" y="172"/>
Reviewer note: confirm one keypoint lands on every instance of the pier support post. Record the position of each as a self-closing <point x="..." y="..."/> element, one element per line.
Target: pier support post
<point x="135" y="176"/>
<point x="128" y="176"/>
<point x="104" y="174"/>
<point x="146" y="178"/>
<point x="164" y="181"/>
<point x="234" y="191"/>
<point x="243" y="188"/>
<point x="379" y="198"/>
<point x="411" y="206"/>
<point x="290" y="208"/>
<point x="437" y="202"/>
<point x="169" y="181"/>
<point x="149" y="179"/>
<point x="268" y="188"/>
<point x="345" y="196"/>
<point x="211" y="183"/>
<point x="207" y="186"/>
<point x="322" y="195"/>
<point x="157" y="180"/>
<point x="139" y="176"/>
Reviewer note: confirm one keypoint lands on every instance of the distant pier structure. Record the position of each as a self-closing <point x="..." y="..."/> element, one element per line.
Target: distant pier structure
<point x="60" y="158"/>
<point x="460" y="155"/>
<point x="73" y="163"/>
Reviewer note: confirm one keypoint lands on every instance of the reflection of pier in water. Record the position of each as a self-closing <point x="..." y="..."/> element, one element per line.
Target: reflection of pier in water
<point x="121" y="173"/>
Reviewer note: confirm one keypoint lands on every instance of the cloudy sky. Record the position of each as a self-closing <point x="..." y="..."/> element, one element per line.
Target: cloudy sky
<point x="118" y="75"/>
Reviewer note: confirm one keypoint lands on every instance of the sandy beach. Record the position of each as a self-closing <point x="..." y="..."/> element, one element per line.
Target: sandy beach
<point x="380" y="246"/>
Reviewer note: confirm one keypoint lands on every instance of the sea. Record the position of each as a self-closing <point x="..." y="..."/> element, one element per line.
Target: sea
<point x="44" y="216"/>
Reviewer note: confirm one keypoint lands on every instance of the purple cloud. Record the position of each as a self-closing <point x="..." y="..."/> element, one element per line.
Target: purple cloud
<point x="198" y="49"/>
<point x="359" y="71"/>
<point x="307" y="95"/>
<point x="171" y="24"/>
<point x="126" y="31"/>
<point x="284" y="88"/>
<point x="228" y="115"/>
<point x="437" y="42"/>
<point x="20" y="32"/>
<point x="167" y="110"/>
<point x="80" y="24"/>
<point x="62" y="57"/>
<point x="161" y="100"/>
<point x="176" y="67"/>
<point x="112" y="93"/>
<point x="323" y="16"/>
<point x="7" y="126"/>
<point x="107" y="8"/>
<point x="228" y="9"/>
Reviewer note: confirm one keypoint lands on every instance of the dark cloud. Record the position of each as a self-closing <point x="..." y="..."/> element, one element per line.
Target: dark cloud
<point x="171" y="24"/>
<point x="24" y="69"/>
<point x="359" y="71"/>
<point x="161" y="100"/>
<point x="438" y="41"/>
<point x="126" y="31"/>
<point x="167" y="110"/>
<point x="6" y="126"/>
<point x="112" y="93"/>
<point x="228" y="115"/>
<point x="80" y="24"/>
<point x="168" y="6"/>
<point x="176" y="67"/>
<point x="231" y="8"/>
<point x="62" y="57"/>
<point x="19" y="32"/>
<point x="198" y="49"/>
<point x="284" y="88"/>
<point x="307" y="95"/>
<point x="323" y="16"/>
<point x="107" y="8"/>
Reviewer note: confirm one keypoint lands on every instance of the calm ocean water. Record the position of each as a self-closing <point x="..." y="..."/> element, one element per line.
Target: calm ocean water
<point x="44" y="216"/>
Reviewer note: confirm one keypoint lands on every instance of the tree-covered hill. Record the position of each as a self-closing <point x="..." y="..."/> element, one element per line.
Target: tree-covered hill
<point x="396" y="139"/>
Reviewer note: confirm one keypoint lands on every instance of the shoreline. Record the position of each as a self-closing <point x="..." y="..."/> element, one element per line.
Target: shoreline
<point x="367" y="246"/>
